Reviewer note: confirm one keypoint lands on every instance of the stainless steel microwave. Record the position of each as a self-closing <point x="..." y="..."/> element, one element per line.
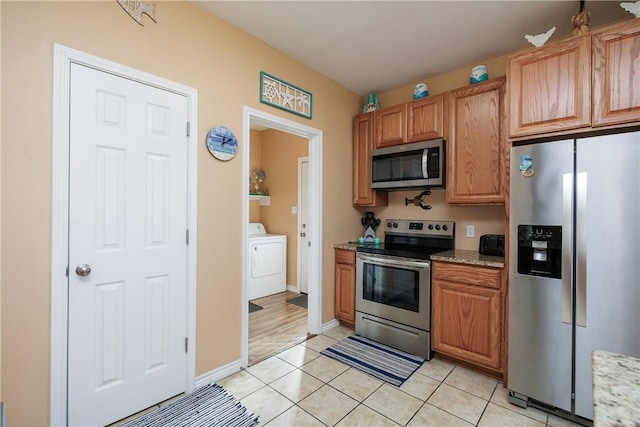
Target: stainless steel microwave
<point x="409" y="166"/>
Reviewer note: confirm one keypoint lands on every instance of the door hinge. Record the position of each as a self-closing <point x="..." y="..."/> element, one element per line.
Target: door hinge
<point x="186" y="345"/>
<point x="67" y="273"/>
<point x="187" y="236"/>
<point x="188" y="128"/>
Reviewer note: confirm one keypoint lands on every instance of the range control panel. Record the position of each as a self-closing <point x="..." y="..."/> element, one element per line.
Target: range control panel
<point x="419" y="227"/>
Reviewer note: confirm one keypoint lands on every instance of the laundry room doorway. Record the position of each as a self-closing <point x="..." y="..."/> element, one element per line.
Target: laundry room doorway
<point x="281" y="316"/>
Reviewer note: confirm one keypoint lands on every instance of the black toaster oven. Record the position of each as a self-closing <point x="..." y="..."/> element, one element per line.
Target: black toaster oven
<point x="492" y="244"/>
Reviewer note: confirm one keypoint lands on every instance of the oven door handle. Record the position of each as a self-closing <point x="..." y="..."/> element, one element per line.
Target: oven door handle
<point x="381" y="260"/>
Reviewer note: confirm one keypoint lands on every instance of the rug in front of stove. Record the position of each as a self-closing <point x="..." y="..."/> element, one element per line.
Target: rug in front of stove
<point x="378" y="360"/>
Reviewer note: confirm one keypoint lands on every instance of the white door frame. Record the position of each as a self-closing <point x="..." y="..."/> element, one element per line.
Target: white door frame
<point x="252" y="116"/>
<point x="300" y="251"/>
<point x="63" y="57"/>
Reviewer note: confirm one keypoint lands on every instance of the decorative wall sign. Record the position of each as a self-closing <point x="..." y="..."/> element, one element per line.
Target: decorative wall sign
<point x="222" y="143"/>
<point x="135" y="9"/>
<point x="285" y="96"/>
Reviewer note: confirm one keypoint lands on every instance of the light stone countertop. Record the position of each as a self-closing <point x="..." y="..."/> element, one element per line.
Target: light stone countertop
<point x="349" y="246"/>
<point x="616" y="389"/>
<point x="466" y="256"/>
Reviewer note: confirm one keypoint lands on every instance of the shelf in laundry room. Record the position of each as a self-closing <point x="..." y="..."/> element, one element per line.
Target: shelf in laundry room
<point x="264" y="200"/>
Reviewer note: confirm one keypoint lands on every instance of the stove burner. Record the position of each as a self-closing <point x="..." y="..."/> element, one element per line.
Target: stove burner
<point x="418" y="239"/>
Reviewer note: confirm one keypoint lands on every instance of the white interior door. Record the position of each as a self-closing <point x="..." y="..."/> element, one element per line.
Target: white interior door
<point x="303" y="224"/>
<point x="127" y="223"/>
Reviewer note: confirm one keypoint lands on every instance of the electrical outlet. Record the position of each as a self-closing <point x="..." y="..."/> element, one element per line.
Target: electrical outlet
<point x="471" y="231"/>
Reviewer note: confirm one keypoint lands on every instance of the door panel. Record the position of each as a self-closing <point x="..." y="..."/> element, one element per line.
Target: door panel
<point x="303" y="241"/>
<point x="539" y="363"/>
<point x="127" y="221"/>
<point x="610" y="250"/>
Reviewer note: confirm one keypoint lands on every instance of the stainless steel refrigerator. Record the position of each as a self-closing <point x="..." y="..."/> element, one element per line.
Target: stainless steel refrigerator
<point x="574" y="265"/>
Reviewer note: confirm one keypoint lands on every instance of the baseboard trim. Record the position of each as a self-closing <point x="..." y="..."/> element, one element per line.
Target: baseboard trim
<point x="330" y="325"/>
<point x="292" y="288"/>
<point x="213" y="376"/>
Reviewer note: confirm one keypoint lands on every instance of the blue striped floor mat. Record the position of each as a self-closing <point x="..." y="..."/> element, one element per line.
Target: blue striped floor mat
<point x="385" y="363"/>
<point x="208" y="406"/>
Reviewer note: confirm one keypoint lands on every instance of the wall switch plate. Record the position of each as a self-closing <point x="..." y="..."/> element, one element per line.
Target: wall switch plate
<point x="294" y="210"/>
<point x="471" y="231"/>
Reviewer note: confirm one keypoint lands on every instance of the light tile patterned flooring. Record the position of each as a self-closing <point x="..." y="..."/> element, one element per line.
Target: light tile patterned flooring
<point x="301" y="387"/>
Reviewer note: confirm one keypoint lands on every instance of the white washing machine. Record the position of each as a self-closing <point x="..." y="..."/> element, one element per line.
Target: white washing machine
<point x="267" y="272"/>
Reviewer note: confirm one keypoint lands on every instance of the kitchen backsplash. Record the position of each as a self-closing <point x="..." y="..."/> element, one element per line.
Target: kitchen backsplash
<point x="484" y="219"/>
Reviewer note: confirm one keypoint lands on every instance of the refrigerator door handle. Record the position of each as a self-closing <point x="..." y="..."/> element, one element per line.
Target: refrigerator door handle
<point x="567" y="202"/>
<point x="581" y="249"/>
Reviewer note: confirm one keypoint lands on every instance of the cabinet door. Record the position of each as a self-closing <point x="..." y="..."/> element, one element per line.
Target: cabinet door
<point x="345" y="288"/>
<point x="466" y="322"/>
<point x="391" y="126"/>
<point x="363" y="195"/>
<point x="425" y="119"/>
<point x="549" y="87"/>
<point x="476" y="160"/>
<point x="616" y="74"/>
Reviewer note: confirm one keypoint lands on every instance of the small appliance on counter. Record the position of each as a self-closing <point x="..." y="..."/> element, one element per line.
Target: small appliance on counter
<point x="492" y="244"/>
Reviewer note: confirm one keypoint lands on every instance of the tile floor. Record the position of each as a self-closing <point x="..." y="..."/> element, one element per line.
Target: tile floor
<point x="301" y="387"/>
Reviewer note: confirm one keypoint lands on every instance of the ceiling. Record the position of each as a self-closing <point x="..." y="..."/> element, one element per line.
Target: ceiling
<point x="381" y="45"/>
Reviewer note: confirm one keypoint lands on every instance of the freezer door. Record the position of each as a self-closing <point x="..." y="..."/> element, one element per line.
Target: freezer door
<point x="608" y="254"/>
<point x="540" y="355"/>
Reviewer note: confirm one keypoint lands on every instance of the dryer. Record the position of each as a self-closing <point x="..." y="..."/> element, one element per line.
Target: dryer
<point x="267" y="270"/>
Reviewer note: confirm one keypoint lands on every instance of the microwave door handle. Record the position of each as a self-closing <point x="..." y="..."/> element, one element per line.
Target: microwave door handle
<point x="425" y="169"/>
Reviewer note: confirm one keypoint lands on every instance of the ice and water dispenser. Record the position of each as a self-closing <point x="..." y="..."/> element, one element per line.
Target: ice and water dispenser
<point x="540" y="250"/>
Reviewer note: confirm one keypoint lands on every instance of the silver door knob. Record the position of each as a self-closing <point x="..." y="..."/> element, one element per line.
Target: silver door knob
<point x="303" y="234"/>
<point x="83" y="270"/>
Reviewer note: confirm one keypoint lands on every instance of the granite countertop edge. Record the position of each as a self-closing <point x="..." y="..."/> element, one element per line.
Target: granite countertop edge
<point x="616" y="381"/>
<point x="459" y="256"/>
<point x="467" y="256"/>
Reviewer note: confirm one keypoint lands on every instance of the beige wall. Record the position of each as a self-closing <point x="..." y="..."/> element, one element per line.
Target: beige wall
<point x="496" y="67"/>
<point x="255" y="159"/>
<point x="188" y="46"/>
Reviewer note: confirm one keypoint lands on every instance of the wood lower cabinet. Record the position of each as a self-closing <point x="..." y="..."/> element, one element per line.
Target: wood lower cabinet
<point x="363" y="194"/>
<point x="345" y="286"/>
<point x="476" y="144"/>
<point x="466" y="313"/>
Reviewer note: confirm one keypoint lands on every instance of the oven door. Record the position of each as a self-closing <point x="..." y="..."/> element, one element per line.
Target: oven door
<point x="396" y="289"/>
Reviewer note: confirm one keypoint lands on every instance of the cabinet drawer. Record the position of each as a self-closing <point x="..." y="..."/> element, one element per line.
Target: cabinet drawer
<point x="344" y="256"/>
<point x="469" y="274"/>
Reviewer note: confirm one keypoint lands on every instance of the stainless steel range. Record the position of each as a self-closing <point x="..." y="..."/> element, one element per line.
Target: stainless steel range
<point x="393" y="283"/>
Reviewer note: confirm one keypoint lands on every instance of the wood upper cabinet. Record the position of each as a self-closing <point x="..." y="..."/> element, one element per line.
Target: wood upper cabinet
<point x="363" y="194"/>
<point x="466" y="313"/>
<point x="476" y="144"/>
<point x="616" y="74"/>
<point x="391" y="127"/>
<point x="425" y="118"/>
<point x="580" y="83"/>
<point x="550" y="87"/>
<point x="345" y="286"/>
